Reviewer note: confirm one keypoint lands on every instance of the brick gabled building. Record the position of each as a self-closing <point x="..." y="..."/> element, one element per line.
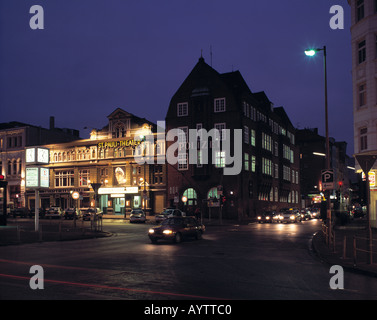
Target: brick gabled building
<point x="269" y="174"/>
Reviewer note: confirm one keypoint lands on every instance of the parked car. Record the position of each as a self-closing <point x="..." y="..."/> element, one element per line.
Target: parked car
<point x="162" y="216"/>
<point x="172" y="212"/>
<point x="176" y="229"/>
<point x="54" y="212"/>
<point x="267" y="217"/>
<point x="42" y="212"/>
<point x="137" y="215"/>
<point x="71" y="213"/>
<point x="20" y="212"/>
<point x="88" y="213"/>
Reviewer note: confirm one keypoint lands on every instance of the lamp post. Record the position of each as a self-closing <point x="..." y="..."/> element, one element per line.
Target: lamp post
<point x="312" y="53"/>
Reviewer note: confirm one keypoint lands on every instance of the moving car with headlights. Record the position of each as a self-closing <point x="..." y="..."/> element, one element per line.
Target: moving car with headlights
<point x="137" y="215"/>
<point x="267" y="217"/>
<point x="176" y="229"/>
<point x="289" y="215"/>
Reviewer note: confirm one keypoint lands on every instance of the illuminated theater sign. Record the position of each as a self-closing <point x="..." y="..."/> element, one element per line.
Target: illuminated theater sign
<point x="121" y="143"/>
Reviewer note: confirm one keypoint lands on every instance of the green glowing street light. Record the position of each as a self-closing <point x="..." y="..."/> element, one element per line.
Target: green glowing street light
<point x="310" y="52"/>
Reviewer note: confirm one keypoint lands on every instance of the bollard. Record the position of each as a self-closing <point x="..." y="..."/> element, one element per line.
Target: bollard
<point x="354" y="251"/>
<point x="344" y="247"/>
<point x="18" y="234"/>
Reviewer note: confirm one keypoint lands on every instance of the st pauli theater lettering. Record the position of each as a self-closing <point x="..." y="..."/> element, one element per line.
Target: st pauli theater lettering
<point x="121" y="143"/>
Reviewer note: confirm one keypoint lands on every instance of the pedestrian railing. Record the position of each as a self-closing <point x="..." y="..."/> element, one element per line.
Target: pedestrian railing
<point x="364" y="248"/>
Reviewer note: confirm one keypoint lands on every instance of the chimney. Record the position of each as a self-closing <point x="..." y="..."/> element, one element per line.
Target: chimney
<point x="52" y="123"/>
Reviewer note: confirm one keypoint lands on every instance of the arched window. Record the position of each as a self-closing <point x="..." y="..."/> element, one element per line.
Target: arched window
<point x="212" y="193"/>
<point x="192" y="197"/>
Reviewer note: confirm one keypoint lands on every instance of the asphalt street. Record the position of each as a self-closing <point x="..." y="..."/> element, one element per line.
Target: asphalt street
<point x="236" y="262"/>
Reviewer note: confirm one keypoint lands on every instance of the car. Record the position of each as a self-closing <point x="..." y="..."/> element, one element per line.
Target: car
<point x="54" y="212"/>
<point x="306" y="214"/>
<point x="88" y="213"/>
<point x="42" y="212"/>
<point x="137" y="215"/>
<point x="289" y="215"/>
<point x="315" y="213"/>
<point x="71" y="213"/>
<point x="267" y="217"/>
<point x="172" y="212"/>
<point x="161" y="216"/>
<point x="20" y="212"/>
<point x="176" y="229"/>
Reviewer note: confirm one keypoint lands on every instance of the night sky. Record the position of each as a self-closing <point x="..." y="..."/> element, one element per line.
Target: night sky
<point x="96" y="55"/>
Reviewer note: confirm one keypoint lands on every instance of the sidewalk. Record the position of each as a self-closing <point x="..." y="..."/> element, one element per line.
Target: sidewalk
<point x="20" y="232"/>
<point x="343" y="253"/>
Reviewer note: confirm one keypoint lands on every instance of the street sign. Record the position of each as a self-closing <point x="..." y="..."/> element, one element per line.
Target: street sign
<point x="327" y="179"/>
<point x="366" y="162"/>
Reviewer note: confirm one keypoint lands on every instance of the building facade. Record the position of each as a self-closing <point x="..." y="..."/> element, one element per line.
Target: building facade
<point x="364" y="79"/>
<point x="261" y="141"/>
<point x="14" y="137"/>
<point x="116" y="157"/>
<point x="312" y="163"/>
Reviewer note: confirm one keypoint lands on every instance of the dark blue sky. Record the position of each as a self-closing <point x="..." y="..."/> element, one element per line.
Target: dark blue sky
<point x="96" y="55"/>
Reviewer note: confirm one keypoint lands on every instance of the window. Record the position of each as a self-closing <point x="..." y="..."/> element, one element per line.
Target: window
<point x="83" y="178"/>
<point x="246" y="134"/>
<point x="221" y="128"/>
<point x="363" y="139"/>
<point x="64" y="178"/>
<point x="220" y="159"/>
<point x="362" y="95"/>
<point x="286" y="173"/>
<point x="191" y="196"/>
<point x="362" y="52"/>
<point x="182" y="161"/>
<point x="266" y="142"/>
<point x="212" y="193"/>
<point x="220" y="105"/>
<point x="359" y="10"/>
<point x="182" y="109"/>
<point x="246" y="162"/>
<point x="266" y="166"/>
<point x="252" y="137"/>
<point x="253" y="163"/>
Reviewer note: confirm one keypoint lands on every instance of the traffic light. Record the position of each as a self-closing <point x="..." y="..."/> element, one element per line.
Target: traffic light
<point x="223" y="199"/>
<point x="2" y="177"/>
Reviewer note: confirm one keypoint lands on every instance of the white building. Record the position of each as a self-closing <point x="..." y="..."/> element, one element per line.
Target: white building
<point x="364" y="78"/>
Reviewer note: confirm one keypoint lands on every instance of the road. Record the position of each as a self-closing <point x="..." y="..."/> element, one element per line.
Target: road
<point x="255" y="261"/>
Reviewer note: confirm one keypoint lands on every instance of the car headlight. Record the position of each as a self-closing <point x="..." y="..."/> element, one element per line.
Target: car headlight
<point x="259" y="217"/>
<point x="151" y="230"/>
<point x="267" y="218"/>
<point x="292" y="217"/>
<point x="167" y="232"/>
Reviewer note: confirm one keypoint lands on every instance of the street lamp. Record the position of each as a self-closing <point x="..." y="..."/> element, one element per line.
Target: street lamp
<point x="312" y="53"/>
